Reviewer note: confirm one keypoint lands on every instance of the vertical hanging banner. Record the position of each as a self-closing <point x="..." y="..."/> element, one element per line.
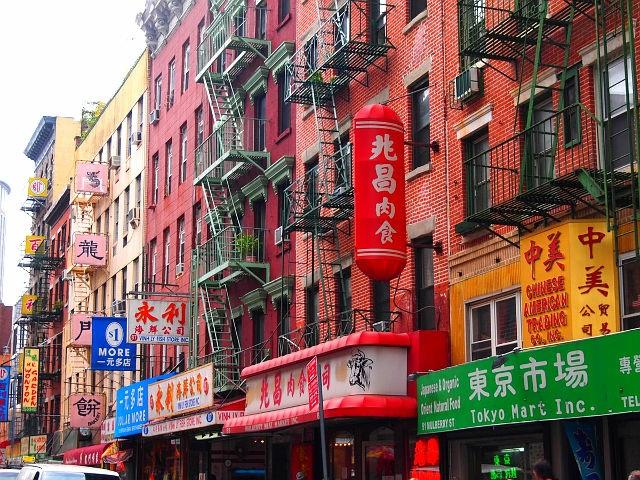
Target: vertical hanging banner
<point x="34" y="245"/>
<point x="312" y="382"/>
<point x="80" y="330"/>
<point x="37" y="187"/>
<point x="379" y="192"/>
<point x="150" y="321"/>
<point x="30" y="374"/>
<point x="109" y="349"/>
<point x="87" y="410"/>
<point x="5" y="376"/>
<point x="27" y="304"/>
<point x="90" y="249"/>
<point x="587" y="449"/>
<point x="92" y="178"/>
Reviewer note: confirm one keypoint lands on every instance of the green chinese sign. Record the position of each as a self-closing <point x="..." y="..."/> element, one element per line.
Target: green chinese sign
<point x="583" y="378"/>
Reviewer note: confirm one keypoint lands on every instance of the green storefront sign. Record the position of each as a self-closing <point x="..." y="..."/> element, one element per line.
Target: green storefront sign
<point x="583" y="378"/>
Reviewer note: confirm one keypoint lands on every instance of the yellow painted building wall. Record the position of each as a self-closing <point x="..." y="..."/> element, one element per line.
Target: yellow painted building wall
<point x="67" y="129"/>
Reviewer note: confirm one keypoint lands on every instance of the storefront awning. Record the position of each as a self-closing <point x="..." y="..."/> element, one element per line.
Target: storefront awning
<point x="353" y="406"/>
<point x="86" y="456"/>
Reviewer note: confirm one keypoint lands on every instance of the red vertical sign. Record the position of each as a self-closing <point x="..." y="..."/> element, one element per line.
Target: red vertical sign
<point x="312" y="382"/>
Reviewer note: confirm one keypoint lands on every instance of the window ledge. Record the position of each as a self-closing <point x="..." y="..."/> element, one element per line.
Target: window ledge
<point x="284" y="134"/>
<point x="284" y="21"/>
<point x="415" y="21"/>
<point x="417" y="172"/>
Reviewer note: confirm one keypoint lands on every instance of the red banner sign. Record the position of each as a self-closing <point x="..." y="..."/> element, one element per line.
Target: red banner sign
<point x="312" y="382"/>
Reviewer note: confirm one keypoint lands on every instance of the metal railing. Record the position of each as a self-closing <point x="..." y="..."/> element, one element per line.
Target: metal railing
<point x="231" y="245"/>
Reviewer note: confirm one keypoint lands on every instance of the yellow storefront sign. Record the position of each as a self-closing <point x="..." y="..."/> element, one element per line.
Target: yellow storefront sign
<point x="30" y="375"/>
<point x="33" y="244"/>
<point x="569" y="283"/>
<point x="29" y="459"/>
<point x="38" y="187"/>
<point x="28" y="303"/>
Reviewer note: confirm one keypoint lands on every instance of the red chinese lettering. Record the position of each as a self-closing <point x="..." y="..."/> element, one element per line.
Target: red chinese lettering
<point x="302" y="382"/>
<point x="173" y="312"/>
<point x="604" y="307"/>
<point x="594" y="280"/>
<point x="277" y="390"/>
<point x="554" y="255"/>
<point x="138" y="329"/>
<point x="144" y="313"/>
<point x="153" y="329"/>
<point x="291" y="385"/>
<point x="166" y="330"/>
<point x="264" y="393"/>
<point x="326" y="375"/>
<point x="586" y="311"/>
<point x="591" y="238"/>
<point x="604" y="329"/>
<point x="532" y="256"/>
<point x="180" y="330"/>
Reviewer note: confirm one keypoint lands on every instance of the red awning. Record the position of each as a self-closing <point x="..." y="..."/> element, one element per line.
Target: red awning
<point x="385" y="339"/>
<point x="86" y="456"/>
<point x="343" y="407"/>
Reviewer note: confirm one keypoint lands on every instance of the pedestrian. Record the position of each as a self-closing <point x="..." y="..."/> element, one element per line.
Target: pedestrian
<point x="635" y="475"/>
<point x="542" y="471"/>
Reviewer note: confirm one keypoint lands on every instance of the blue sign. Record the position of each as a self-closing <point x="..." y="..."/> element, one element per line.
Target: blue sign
<point x="5" y="374"/>
<point x="109" y="350"/>
<point x="583" y="439"/>
<point x="131" y="407"/>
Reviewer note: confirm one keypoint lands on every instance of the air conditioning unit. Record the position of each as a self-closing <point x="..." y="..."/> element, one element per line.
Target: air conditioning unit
<point x="119" y="307"/>
<point x="154" y="117"/>
<point x="133" y="217"/>
<point x="467" y="84"/>
<point x="136" y="137"/>
<point x="278" y="235"/>
<point x="179" y="268"/>
<point x="114" y="161"/>
<point x="67" y="277"/>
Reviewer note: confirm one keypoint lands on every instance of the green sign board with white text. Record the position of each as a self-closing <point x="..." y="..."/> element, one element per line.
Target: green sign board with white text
<point x="583" y="378"/>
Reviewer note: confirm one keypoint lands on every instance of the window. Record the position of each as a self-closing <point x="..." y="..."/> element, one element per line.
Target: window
<point x="139" y="191"/>
<point x="381" y="305"/>
<point x="257" y="318"/>
<point x="311" y="174"/>
<point x="136" y="274"/>
<point x="107" y="221"/>
<point x="119" y="141"/>
<point x="344" y="322"/>
<point x="156" y="178"/>
<point x="425" y="312"/>
<point x="123" y="284"/>
<point x="280" y="193"/>
<point x="261" y="22"/>
<point x="197" y="220"/>
<point x="571" y="115"/>
<point x="617" y="83"/>
<point x="199" y="126"/>
<point x="311" y="54"/>
<point x="284" y="325"/>
<point x="158" y="94"/>
<point x="342" y="155"/>
<point x="312" y="329"/>
<point x="126" y="201"/>
<point x="341" y="28"/>
<point x="168" y="167"/>
<point x="477" y="168"/>
<point x="153" y="260"/>
<point x="99" y="224"/>
<point x="421" y="123"/>
<point x="167" y="252"/>
<point x="284" y="107"/>
<point x="379" y="24"/>
<point x="416" y="7"/>
<point x="259" y="129"/>
<point x="181" y="242"/>
<point x="284" y="8"/>
<point x="630" y="291"/>
<point x="172" y="83"/>
<point x="109" y="150"/>
<point x="116" y="221"/>
<point x="141" y="114"/>
<point x="201" y="31"/>
<point x="186" y="60"/>
<point x="183" y="153"/>
<point x="494" y="326"/>
<point x="129" y="133"/>
<point x="539" y="167"/>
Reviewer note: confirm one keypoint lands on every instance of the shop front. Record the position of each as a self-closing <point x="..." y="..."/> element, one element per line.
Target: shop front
<point x="369" y="410"/>
<point x="574" y="403"/>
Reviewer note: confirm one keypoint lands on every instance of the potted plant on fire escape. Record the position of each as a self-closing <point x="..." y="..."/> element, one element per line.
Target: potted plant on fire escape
<point x="247" y="246"/>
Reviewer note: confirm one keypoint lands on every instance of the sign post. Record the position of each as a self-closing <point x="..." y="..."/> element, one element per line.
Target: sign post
<point x="315" y="399"/>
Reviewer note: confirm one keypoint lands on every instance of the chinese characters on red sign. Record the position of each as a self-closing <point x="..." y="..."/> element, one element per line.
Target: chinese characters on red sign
<point x="150" y="321"/>
<point x="312" y="376"/>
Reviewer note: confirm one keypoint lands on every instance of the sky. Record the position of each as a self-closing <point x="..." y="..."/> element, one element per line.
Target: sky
<point x="56" y="57"/>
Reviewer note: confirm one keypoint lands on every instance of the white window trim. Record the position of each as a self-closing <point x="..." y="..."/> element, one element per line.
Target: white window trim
<point x="491" y="299"/>
<point x="621" y="260"/>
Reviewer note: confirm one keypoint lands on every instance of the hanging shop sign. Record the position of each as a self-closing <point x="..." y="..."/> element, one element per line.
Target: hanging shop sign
<point x="38" y="187"/>
<point x="80" y="330"/>
<point x="150" y="321"/>
<point x="132" y="405"/>
<point x="363" y="370"/>
<point x="189" y="422"/>
<point x="34" y="245"/>
<point x="568" y="283"/>
<point x="87" y="410"/>
<point x="90" y="249"/>
<point x="92" y="178"/>
<point x="586" y="446"/>
<point x="27" y="305"/>
<point x="24" y="446"/>
<point x="109" y="350"/>
<point x="107" y="430"/>
<point x="379" y="192"/>
<point x="183" y="393"/>
<point x="30" y="376"/>
<point x="37" y="445"/>
<point x="546" y="383"/>
<point x="5" y="378"/>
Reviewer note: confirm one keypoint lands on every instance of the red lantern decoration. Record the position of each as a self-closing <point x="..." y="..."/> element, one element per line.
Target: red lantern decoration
<point x="380" y="212"/>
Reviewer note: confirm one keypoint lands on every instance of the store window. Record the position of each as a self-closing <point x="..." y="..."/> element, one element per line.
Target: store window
<point x="630" y="291"/>
<point x="379" y="456"/>
<point x="163" y="460"/>
<point x="343" y="456"/>
<point x="494" y="326"/>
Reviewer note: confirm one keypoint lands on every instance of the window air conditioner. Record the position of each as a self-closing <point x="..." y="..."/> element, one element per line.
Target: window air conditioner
<point x="467" y="84"/>
<point x="154" y="117"/>
<point x="114" y="161"/>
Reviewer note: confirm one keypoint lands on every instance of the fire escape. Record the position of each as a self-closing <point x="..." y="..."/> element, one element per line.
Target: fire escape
<point x="230" y="167"/>
<point x="566" y="157"/>
<point x="350" y="42"/>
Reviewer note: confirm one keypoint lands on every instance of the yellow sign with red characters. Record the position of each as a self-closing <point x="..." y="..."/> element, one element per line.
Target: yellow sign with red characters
<point x="28" y="303"/>
<point x="34" y="244"/>
<point x="30" y="376"/>
<point x="569" y="283"/>
<point x="38" y="187"/>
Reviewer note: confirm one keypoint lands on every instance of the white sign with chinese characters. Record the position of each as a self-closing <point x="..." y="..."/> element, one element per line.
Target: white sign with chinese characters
<point x="360" y="370"/>
<point x="151" y="321"/>
<point x="183" y="393"/>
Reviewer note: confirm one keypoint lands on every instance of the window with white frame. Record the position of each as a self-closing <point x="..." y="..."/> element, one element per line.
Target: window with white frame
<point x="630" y="292"/>
<point x="158" y="93"/>
<point x="156" y="178"/>
<point x="494" y="326"/>
<point x="171" y="94"/>
<point x="186" y="58"/>
<point x="168" y="167"/>
<point x="154" y="262"/>
<point x="181" y="241"/>
<point x="167" y="253"/>
<point x="183" y="153"/>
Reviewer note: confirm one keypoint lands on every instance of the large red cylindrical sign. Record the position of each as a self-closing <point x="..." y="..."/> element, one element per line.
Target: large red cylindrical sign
<point x="380" y="215"/>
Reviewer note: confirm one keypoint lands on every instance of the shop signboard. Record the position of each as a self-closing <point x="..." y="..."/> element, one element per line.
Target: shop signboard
<point x="90" y="249"/>
<point x="92" y="178"/>
<point x="363" y="370"/>
<point x="189" y="422"/>
<point x="107" y="430"/>
<point x="132" y="405"/>
<point x="561" y="381"/>
<point x="24" y="446"/>
<point x="34" y="245"/>
<point x="150" y="321"/>
<point x="37" y="444"/>
<point x="38" y="187"/>
<point x="28" y="303"/>
<point x="312" y="381"/>
<point x="5" y="377"/>
<point x="183" y="393"/>
<point x="30" y="374"/>
<point x="568" y="283"/>
<point x="109" y="350"/>
<point x="80" y="330"/>
<point x="87" y="410"/>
